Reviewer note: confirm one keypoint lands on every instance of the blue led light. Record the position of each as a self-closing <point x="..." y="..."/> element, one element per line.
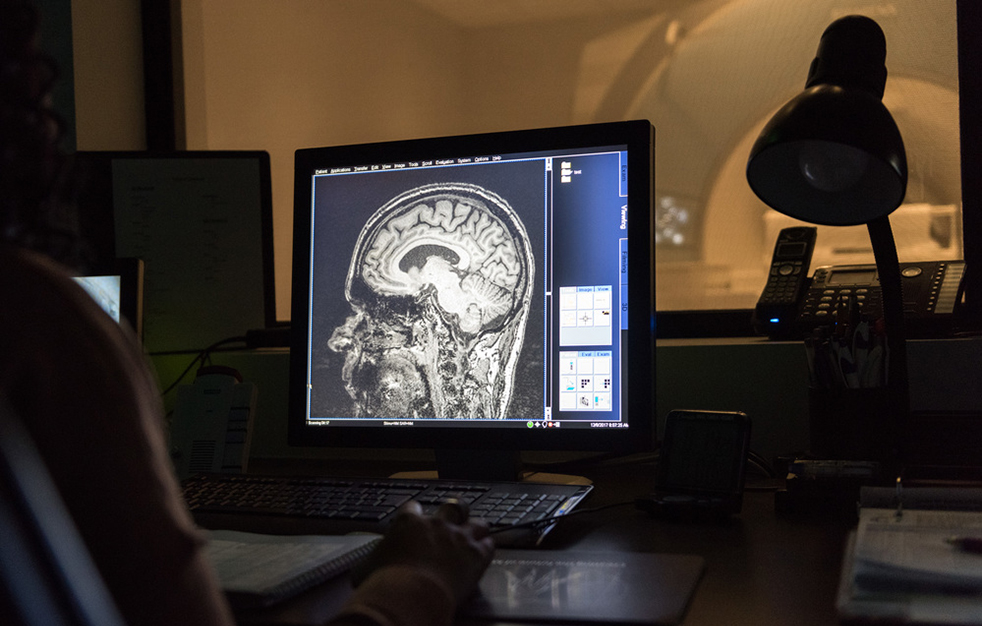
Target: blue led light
<point x="775" y="320"/>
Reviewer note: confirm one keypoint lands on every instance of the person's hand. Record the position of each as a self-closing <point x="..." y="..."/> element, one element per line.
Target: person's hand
<point x="447" y="545"/>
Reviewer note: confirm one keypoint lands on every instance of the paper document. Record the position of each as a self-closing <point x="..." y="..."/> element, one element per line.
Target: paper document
<point x="900" y="565"/>
<point x="912" y="549"/>
<point x="258" y="570"/>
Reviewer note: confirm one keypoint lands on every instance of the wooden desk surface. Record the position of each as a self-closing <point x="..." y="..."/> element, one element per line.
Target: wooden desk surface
<point x="761" y="567"/>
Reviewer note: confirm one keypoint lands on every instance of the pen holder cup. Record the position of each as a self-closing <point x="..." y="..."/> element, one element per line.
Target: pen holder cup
<point x="854" y="424"/>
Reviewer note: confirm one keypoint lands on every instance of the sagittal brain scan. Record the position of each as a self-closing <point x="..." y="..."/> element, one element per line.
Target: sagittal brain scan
<point x="439" y="287"/>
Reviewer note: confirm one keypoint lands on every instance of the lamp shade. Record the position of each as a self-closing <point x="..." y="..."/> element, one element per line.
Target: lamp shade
<point x="831" y="155"/>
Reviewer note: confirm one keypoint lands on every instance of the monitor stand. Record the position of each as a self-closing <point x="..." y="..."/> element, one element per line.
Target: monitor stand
<point x="487" y="465"/>
<point x="479" y="464"/>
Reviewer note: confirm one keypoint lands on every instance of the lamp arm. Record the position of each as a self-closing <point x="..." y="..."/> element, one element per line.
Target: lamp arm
<point x="888" y="270"/>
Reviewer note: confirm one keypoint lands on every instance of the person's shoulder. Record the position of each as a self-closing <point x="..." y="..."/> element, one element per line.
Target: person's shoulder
<point x="56" y="338"/>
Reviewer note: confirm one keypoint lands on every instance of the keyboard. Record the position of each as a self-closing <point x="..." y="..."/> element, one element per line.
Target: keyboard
<point x="331" y="506"/>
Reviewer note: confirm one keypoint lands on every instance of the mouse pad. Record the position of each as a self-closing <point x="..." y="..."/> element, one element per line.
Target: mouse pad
<point x="566" y="586"/>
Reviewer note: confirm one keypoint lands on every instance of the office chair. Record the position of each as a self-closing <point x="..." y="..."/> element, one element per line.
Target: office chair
<point x="47" y="577"/>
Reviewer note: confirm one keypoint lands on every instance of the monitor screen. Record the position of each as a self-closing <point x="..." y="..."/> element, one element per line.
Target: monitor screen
<point x="105" y="290"/>
<point x="484" y="292"/>
<point x="117" y="287"/>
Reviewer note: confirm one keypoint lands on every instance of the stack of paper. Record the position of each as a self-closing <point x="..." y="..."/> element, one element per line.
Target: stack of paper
<point x="906" y="564"/>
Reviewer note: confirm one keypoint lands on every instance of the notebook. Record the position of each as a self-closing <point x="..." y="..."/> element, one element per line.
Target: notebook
<point x="257" y="570"/>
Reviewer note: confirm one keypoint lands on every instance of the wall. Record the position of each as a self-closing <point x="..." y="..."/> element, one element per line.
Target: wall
<point x="549" y="74"/>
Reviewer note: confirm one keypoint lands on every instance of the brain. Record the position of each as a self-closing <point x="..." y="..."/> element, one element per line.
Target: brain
<point x="460" y="243"/>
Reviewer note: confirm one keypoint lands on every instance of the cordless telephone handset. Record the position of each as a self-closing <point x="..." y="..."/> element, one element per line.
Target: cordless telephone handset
<point x="787" y="280"/>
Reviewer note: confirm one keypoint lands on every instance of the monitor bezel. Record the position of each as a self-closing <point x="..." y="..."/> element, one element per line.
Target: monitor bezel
<point x="130" y="272"/>
<point x="638" y="136"/>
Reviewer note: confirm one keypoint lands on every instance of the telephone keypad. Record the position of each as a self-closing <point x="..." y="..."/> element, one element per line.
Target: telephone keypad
<point x="782" y="286"/>
<point x="921" y="297"/>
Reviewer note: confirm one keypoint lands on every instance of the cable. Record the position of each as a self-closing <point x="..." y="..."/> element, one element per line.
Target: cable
<point x="201" y="356"/>
<point x="761" y="463"/>
<point x="766" y="471"/>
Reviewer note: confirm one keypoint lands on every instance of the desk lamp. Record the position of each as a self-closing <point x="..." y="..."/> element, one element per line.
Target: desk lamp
<point x="833" y="155"/>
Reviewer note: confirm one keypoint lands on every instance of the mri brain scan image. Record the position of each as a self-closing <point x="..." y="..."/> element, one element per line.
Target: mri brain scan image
<point x="440" y="287"/>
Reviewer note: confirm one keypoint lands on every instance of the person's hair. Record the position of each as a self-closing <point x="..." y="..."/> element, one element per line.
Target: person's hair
<point x="36" y="206"/>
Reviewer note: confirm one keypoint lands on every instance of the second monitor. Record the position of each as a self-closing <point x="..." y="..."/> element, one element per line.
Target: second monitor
<point x="478" y="295"/>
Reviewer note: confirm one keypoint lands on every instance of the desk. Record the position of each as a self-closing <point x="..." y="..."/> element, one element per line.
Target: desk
<point x="761" y="568"/>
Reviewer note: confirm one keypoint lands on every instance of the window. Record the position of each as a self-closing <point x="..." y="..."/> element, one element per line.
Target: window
<point x="707" y="73"/>
<point x="722" y="75"/>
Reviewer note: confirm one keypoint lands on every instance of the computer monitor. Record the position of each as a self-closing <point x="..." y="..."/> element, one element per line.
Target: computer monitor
<point x="477" y="295"/>
<point x="202" y="223"/>
<point x="117" y="287"/>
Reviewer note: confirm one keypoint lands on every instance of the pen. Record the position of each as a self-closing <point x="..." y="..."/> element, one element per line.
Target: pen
<point x="860" y="347"/>
<point x="972" y="545"/>
<point x="848" y="367"/>
<point x="873" y="374"/>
